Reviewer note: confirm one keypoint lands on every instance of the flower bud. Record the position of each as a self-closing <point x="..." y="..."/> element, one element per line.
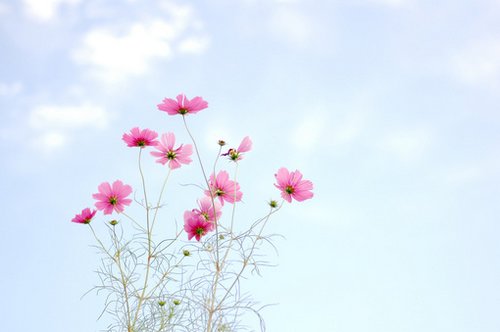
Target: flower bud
<point x="186" y="253"/>
<point x="273" y="204"/>
<point x="221" y="142"/>
<point x="113" y="222"/>
<point x="161" y="303"/>
<point x="177" y="302"/>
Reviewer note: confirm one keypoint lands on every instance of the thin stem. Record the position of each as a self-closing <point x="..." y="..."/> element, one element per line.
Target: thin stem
<point x="209" y="189"/>
<point x="148" y="229"/>
<point x="159" y="198"/>
<point x="217" y="265"/>
<point x="100" y="242"/>
<point x="123" y="279"/>
<point x="247" y="258"/>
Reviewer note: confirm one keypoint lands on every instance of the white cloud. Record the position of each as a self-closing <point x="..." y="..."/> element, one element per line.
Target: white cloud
<point x="194" y="45"/>
<point x="292" y="25"/>
<point x="54" y="116"/>
<point x="478" y="63"/>
<point x="53" y="124"/>
<point x="10" y="89"/>
<point x="408" y="145"/>
<point x="45" y="10"/>
<point x="113" y="55"/>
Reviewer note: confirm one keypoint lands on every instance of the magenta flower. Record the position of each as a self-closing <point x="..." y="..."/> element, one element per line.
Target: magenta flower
<point x="111" y="198"/>
<point x="140" y="138"/>
<point x="235" y="154"/>
<point x="182" y="105"/>
<point x="292" y="185"/>
<point x="206" y="209"/>
<point x="223" y="188"/>
<point x="85" y="217"/>
<point x="196" y="226"/>
<point x="167" y="154"/>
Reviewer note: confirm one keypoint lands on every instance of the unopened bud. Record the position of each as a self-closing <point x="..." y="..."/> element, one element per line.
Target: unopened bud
<point x="113" y="222"/>
<point x="273" y="204"/>
<point x="186" y="253"/>
<point x="161" y="303"/>
<point x="221" y="142"/>
<point x="177" y="302"/>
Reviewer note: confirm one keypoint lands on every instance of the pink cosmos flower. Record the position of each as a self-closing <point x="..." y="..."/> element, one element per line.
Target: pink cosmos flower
<point x="235" y="154"/>
<point x="182" y="105"/>
<point x="111" y="198"/>
<point x="223" y="188"/>
<point x="206" y="209"/>
<point x="195" y="225"/>
<point x="292" y="185"/>
<point x="140" y="138"/>
<point x="85" y="217"/>
<point x="167" y="154"/>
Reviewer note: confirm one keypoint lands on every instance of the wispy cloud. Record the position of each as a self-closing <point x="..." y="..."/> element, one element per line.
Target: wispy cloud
<point x="45" y="10"/>
<point x="113" y="55"/>
<point x="407" y="145"/>
<point x="54" y="124"/>
<point x="4" y="8"/>
<point x="478" y="63"/>
<point x="292" y="25"/>
<point x="10" y="89"/>
<point x="389" y="3"/>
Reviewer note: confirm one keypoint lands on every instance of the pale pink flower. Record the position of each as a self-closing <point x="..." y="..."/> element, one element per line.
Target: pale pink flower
<point x="292" y="185"/>
<point x="140" y="138"/>
<point x="206" y="209"/>
<point x="223" y="188"/>
<point x="168" y="154"/>
<point x="236" y="154"/>
<point x="85" y="217"/>
<point x="111" y="198"/>
<point x="182" y="105"/>
<point x="195" y="225"/>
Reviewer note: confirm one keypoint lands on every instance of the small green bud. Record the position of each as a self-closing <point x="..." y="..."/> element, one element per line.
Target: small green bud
<point x="161" y="303"/>
<point x="177" y="302"/>
<point x="273" y="204"/>
<point x="221" y="237"/>
<point x="186" y="253"/>
<point x="221" y="142"/>
<point x="113" y="222"/>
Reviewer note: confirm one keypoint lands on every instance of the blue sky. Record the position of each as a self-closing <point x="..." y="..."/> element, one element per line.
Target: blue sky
<point x="389" y="106"/>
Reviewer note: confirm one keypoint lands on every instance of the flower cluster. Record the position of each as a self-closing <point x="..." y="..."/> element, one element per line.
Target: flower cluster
<point x="145" y="305"/>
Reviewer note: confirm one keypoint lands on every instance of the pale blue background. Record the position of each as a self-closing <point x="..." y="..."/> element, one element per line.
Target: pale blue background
<point x="391" y="108"/>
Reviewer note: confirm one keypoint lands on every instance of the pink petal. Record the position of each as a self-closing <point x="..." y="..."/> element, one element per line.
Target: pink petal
<point x="105" y="188"/>
<point x="245" y="145"/>
<point x="282" y="177"/>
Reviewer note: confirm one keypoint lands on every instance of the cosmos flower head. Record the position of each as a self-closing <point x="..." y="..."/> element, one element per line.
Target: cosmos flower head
<point x="206" y="209"/>
<point x="196" y="226"/>
<point x="140" y="138"/>
<point x="112" y="197"/>
<point x="223" y="188"/>
<point x="291" y="185"/>
<point x="182" y="105"/>
<point x="173" y="156"/>
<point x="236" y="154"/>
<point x="85" y="217"/>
